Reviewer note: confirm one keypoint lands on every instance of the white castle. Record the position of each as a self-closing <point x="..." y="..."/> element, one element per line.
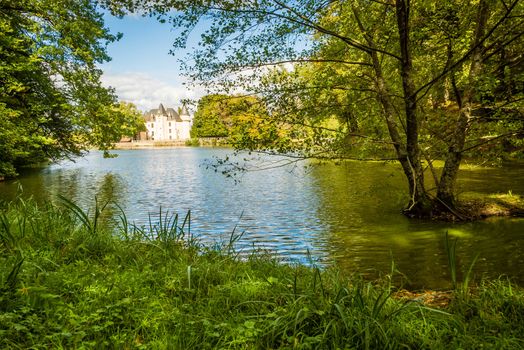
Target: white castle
<point x="168" y="124"/>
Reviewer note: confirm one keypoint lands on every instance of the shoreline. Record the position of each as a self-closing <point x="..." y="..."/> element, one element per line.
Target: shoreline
<point x="150" y="144"/>
<point x="195" y="142"/>
<point x="492" y="205"/>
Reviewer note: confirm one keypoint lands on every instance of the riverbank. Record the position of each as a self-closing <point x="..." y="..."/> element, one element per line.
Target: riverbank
<point x="474" y="207"/>
<point x="68" y="282"/>
<point x="149" y="144"/>
<point x="195" y="142"/>
<point x="508" y="205"/>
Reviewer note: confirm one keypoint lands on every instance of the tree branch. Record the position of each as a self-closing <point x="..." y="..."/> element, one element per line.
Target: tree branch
<point x="470" y="51"/>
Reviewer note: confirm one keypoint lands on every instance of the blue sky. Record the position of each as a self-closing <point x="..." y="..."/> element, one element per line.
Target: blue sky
<point x="142" y="71"/>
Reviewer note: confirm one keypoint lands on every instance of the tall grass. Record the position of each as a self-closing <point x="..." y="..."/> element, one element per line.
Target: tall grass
<point x="66" y="281"/>
<point x="461" y="288"/>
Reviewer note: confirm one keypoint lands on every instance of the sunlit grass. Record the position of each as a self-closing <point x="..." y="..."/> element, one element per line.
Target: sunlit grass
<point x="496" y="204"/>
<point x="66" y="281"/>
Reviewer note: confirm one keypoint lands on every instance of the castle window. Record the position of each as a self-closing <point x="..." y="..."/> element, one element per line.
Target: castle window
<point x="170" y="129"/>
<point x="169" y="125"/>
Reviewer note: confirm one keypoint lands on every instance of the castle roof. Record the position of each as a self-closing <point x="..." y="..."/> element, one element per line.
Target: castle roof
<point x="170" y="113"/>
<point x="184" y="114"/>
<point x="184" y="110"/>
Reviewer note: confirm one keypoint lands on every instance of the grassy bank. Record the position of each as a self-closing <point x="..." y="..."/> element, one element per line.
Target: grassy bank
<point x="67" y="282"/>
<point x="479" y="206"/>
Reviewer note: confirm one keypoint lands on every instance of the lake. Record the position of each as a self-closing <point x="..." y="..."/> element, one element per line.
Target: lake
<point x="324" y="214"/>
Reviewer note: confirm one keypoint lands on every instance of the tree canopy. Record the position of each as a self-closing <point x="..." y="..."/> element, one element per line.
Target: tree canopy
<point x="418" y="79"/>
<point x="52" y="103"/>
<point x="243" y="120"/>
<point x="212" y="117"/>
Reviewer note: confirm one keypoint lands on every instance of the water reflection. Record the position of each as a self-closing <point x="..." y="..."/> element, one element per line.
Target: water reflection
<point x="360" y="202"/>
<point x="347" y="214"/>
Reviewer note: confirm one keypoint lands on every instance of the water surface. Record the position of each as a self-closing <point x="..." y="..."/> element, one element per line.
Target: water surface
<point x="347" y="214"/>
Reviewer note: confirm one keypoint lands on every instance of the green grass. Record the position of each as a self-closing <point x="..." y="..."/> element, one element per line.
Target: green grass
<point x="68" y="282"/>
<point x="500" y="204"/>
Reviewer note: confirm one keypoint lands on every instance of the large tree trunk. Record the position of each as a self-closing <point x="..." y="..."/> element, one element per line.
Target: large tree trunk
<point x="445" y="198"/>
<point x="419" y="205"/>
<point x="408" y="153"/>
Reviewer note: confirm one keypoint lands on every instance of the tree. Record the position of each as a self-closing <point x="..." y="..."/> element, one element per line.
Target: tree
<point x="211" y="118"/>
<point x="242" y="119"/>
<point x="52" y="104"/>
<point x="112" y="122"/>
<point x="410" y="66"/>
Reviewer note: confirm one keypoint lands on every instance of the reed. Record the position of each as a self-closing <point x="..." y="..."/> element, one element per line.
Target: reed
<point x="461" y="288"/>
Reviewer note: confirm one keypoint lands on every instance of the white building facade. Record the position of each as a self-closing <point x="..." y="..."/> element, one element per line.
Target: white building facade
<point x="164" y="124"/>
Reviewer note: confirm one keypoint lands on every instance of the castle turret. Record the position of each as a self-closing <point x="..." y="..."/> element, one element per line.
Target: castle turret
<point x="184" y="114"/>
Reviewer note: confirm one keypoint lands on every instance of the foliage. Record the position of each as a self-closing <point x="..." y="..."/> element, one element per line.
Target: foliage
<point x="413" y="81"/>
<point x="113" y="122"/>
<point x="235" y="117"/>
<point x="52" y="104"/>
<point x="67" y="281"/>
<point x="212" y="117"/>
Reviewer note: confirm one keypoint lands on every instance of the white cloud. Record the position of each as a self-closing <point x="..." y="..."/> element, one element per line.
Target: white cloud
<point x="147" y="92"/>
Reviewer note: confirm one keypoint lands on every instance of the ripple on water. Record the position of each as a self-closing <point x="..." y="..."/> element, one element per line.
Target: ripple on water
<point x="346" y="215"/>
